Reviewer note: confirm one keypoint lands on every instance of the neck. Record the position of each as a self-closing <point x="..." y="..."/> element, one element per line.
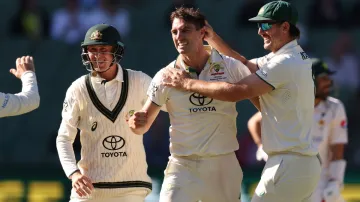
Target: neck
<point x="197" y="59"/>
<point x="110" y="74"/>
<point x="283" y="44"/>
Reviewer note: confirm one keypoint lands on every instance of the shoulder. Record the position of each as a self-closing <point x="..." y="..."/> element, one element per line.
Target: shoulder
<point x="161" y="72"/>
<point x="137" y="74"/>
<point x="334" y="102"/>
<point x="78" y="83"/>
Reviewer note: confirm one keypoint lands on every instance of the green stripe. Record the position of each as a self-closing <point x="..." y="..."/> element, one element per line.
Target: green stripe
<point x="125" y="184"/>
<point x="111" y="115"/>
<point x="265" y="81"/>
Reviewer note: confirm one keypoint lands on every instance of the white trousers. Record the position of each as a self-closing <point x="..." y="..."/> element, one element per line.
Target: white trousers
<point x="288" y="178"/>
<point x="205" y="179"/>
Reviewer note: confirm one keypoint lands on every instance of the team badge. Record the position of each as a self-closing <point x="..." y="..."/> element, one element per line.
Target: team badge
<point x="216" y="68"/>
<point x="129" y="114"/>
<point x="321" y="122"/>
<point x="96" y="35"/>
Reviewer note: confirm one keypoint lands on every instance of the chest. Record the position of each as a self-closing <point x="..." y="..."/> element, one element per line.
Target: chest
<point x="322" y="124"/>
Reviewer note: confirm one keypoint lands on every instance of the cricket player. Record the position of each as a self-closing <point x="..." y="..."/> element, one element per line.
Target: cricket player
<point x="329" y="132"/>
<point x="202" y="165"/>
<point x="113" y="165"/>
<point x="28" y="99"/>
<point x="286" y="89"/>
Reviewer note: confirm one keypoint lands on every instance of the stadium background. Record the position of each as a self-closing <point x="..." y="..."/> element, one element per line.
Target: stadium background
<point x="29" y="165"/>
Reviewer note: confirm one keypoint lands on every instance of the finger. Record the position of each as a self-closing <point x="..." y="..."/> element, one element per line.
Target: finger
<point x="79" y="189"/>
<point x="18" y="61"/>
<point x="13" y="71"/>
<point x="22" y="59"/>
<point x="88" y="183"/>
<point x="85" y="189"/>
<point x="27" y="59"/>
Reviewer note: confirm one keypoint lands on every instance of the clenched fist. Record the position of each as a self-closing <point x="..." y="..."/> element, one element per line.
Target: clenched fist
<point x="138" y="120"/>
<point x="23" y="64"/>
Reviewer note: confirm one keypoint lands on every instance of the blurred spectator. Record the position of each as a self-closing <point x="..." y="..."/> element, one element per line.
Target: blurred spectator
<point x="30" y="21"/>
<point x="246" y="11"/>
<point x="67" y="23"/>
<point x="176" y="4"/>
<point x="326" y="14"/>
<point x="344" y="61"/>
<point x="110" y="12"/>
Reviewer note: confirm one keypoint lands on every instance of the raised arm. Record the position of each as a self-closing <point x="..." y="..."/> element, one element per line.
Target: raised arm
<point x="214" y="40"/>
<point x="28" y="99"/>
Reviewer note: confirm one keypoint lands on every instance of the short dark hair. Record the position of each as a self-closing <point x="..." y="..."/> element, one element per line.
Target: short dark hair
<point x="190" y="15"/>
<point x="294" y="31"/>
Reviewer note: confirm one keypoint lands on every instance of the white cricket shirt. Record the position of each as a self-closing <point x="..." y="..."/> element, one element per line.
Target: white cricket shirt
<point x="329" y="127"/>
<point x="288" y="110"/>
<point x="200" y="125"/>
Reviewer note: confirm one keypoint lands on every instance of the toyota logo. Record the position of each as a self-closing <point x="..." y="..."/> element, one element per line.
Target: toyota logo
<point x="113" y="142"/>
<point x="199" y="100"/>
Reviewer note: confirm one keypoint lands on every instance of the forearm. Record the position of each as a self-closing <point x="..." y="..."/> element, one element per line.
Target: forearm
<point x="140" y="130"/>
<point x="254" y="126"/>
<point x="219" y="44"/>
<point x="217" y="90"/>
<point x="25" y="101"/>
<point x="64" y="145"/>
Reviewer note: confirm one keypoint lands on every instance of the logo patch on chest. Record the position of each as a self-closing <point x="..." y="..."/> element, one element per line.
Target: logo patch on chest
<point x="113" y="143"/>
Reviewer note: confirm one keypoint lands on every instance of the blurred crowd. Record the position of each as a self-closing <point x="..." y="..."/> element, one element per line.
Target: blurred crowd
<point x="70" y="22"/>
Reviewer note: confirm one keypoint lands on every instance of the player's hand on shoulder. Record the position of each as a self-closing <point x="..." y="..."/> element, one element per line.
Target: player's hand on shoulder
<point x="138" y="119"/>
<point x="176" y="78"/>
<point x="23" y="64"/>
<point x="82" y="184"/>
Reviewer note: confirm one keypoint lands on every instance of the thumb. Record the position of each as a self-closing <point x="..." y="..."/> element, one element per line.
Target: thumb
<point x="13" y="71"/>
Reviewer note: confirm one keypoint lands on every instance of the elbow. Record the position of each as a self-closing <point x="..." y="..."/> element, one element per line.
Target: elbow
<point x="36" y="101"/>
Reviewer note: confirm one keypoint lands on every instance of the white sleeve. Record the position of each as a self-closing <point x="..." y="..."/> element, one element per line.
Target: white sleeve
<point x="274" y="74"/>
<point x="339" y="132"/>
<point x="157" y="92"/>
<point x="145" y="83"/>
<point x="67" y="132"/>
<point x="25" y="101"/>
<point x="237" y="70"/>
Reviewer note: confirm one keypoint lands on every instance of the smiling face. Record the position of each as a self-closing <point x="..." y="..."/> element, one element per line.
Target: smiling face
<point x="187" y="39"/>
<point x="276" y="36"/>
<point x="100" y="56"/>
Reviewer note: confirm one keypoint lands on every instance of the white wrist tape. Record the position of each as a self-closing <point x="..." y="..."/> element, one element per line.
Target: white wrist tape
<point x="337" y="170"/>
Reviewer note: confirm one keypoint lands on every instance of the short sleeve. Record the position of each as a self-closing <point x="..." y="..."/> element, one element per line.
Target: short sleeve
<point x="145" y="81"/>
<point x="157" y="92"/>
<point x="237" y="69"/>
<point x="339" y="132"/>
<point x="274" y="74"/>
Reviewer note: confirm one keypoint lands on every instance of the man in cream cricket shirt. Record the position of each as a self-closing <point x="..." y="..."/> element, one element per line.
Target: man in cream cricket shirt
<point x="283" y="81"/>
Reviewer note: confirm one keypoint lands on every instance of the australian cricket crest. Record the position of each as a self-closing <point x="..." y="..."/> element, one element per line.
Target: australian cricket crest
<point x="96" y="35"/>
